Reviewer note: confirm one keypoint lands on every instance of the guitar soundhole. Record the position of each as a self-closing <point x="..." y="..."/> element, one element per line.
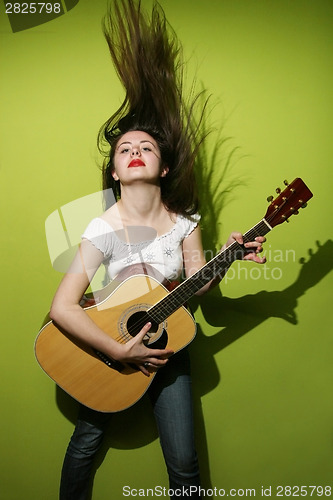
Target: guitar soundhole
<point x="138" y="320"/>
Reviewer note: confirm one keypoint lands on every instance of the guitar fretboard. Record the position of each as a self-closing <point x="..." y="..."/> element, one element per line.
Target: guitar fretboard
<point x="218" y="265"/>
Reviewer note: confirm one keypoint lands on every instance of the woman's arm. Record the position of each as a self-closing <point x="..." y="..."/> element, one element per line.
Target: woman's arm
<point x="194" y="258"/>
<point x="67" y="312"/>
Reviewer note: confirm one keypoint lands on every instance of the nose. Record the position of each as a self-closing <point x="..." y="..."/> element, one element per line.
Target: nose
<point x="135" y="152"/>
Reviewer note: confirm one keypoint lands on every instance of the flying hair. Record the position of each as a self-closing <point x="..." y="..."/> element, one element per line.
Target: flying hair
<point x="148" y="59"/>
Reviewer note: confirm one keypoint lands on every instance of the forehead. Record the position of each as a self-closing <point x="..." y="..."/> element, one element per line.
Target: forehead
<point x="136" y="136"/>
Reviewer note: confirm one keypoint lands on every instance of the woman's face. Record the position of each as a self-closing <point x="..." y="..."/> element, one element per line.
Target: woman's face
<point x="137" y="158"/>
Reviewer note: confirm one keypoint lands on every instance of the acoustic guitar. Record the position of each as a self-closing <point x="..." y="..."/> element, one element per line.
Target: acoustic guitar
<point x="103" y="384"/>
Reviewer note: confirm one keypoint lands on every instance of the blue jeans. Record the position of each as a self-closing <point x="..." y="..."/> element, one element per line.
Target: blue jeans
<point x="171" y="397"/>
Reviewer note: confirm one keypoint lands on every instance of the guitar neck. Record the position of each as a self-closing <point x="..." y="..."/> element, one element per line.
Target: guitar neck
<point x="175" y="299"/>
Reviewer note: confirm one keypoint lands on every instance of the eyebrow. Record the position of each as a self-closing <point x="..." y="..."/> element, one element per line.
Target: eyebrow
<point x="141" y="142"/>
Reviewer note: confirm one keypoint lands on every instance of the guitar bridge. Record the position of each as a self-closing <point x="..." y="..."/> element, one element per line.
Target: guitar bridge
<point x="111" y="363"/>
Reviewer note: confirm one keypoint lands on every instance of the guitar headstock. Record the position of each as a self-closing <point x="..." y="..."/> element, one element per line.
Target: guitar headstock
<point x="287" y="203"/>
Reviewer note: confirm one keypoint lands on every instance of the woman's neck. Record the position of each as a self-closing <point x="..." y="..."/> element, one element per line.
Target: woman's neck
<point x="141" y="204"/>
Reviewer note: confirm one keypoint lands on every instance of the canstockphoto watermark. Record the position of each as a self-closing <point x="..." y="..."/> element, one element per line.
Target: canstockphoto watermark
<point x="264" y="491"/>
<point x="186" y="492"/>
<point x="65" y="226"/>
<point x="271" y="270"/>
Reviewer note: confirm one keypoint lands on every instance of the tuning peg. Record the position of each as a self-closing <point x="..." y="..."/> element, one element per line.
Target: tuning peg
<point x="278" y="190"/>
<point x="285" y="182"/>
<point x="270" y="198"/>
<point x="304" y="205"/>
<point x="296" y="212"/>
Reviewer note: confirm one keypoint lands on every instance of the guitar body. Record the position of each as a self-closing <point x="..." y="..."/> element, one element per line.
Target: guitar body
<point x="90" y="377"/>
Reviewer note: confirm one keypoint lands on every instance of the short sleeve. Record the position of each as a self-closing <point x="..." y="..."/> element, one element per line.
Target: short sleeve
<point x="188" y="224"/>
<point x="99" y="233"/>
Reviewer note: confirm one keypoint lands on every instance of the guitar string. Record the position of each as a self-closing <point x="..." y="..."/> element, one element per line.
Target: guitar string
<point x="169" y="309"/>
<point x="204" y="274"/>
<point x="250" y="235"/>
<point x="179" y="295"/>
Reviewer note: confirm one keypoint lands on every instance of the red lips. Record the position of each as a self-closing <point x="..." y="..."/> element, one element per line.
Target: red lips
<point x="136" y="163"/>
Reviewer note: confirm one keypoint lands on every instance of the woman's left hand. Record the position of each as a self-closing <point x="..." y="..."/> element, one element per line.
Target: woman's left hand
<point x="253" y="247"/>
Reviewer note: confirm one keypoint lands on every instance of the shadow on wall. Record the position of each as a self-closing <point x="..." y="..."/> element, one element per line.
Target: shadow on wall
<point x="135" y="427"/>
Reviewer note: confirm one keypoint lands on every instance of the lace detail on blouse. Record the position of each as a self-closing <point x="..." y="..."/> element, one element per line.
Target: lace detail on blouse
<point x="163" y="253"/>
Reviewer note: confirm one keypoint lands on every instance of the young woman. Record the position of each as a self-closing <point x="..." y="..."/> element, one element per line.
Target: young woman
<point x="153" y="143"/>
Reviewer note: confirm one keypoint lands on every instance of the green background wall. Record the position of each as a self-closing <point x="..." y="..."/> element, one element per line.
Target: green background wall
<point x="262" y="360"/>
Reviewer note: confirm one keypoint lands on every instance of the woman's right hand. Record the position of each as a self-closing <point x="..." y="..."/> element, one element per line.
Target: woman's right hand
<point x="145" y="358"/>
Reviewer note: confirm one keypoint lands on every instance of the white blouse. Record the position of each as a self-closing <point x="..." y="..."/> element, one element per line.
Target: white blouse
<point x="140" y="245"/>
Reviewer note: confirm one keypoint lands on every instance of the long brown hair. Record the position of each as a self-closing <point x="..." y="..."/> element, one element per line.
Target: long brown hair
<point x="147" y="56"/>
